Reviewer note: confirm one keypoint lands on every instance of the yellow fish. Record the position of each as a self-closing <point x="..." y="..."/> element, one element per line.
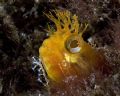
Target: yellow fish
<point x="65" y="53"/>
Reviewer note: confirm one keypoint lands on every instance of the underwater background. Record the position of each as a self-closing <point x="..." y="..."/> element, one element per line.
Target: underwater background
<point x="23" y="27"/>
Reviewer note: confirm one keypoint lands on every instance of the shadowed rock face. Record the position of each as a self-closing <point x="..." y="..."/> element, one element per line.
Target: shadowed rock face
<point x="116" y="35"/>
<point x="22" y="25"/>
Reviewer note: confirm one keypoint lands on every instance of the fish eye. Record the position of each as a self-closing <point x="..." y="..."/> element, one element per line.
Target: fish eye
<point x="72" y="45"/>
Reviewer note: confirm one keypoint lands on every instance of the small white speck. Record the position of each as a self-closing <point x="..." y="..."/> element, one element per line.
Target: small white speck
<point x="37" y="1"/>
<point x="101" y="18"/>
<point x="96" y="87"/>
<point x="90" y="39"/>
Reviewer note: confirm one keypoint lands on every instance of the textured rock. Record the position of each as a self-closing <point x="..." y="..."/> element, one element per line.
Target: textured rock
<point x="22" y="31"/>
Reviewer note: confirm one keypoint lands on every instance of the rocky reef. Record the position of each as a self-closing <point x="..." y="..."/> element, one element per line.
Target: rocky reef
<point x="23" y="29"/>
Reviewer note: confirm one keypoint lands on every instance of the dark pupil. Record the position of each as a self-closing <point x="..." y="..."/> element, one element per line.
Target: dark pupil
<point x="74" y="43"/>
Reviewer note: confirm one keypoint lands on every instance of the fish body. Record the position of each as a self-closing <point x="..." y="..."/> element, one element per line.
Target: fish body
<point x="65" y="53"/>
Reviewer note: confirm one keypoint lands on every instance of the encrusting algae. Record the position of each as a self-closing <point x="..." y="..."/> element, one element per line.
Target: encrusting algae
<point x="65" y="55"/>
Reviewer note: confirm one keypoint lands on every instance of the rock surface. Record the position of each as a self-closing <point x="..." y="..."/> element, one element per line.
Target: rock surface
<point x="22" y="31"/>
